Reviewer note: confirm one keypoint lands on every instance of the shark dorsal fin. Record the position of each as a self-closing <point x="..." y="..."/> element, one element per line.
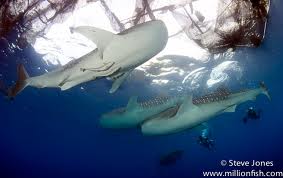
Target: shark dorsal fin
<point x="187" y="104"/>
<point x="99" y="36"/>
<point x="133" y="102"/>
<point x="230" y="109"/>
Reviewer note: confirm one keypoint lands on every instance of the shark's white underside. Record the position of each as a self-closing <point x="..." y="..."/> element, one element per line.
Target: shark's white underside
<point x="115" y="57"/>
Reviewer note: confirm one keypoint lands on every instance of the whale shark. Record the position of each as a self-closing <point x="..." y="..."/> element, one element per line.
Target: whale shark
<point x="135" y="113"/>
<point x="193" y="112"/>
<point x="114" y="58"/>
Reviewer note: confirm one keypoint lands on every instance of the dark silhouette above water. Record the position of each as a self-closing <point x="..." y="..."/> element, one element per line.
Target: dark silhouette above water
<point x="171" y="158"/>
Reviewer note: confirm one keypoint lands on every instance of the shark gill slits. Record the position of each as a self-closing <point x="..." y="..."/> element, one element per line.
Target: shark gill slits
<point x="117" y="76"/>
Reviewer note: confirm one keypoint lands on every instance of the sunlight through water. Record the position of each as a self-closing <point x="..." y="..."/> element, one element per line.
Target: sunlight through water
<point x="59" y="46"/>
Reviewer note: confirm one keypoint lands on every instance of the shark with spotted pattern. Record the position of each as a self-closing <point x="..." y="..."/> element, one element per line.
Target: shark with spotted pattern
<point x="135" y="113"/>
<point x="193" y="112"/>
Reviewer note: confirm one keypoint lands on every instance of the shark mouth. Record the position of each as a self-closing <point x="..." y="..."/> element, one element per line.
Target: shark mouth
<point x="218" y="95"/>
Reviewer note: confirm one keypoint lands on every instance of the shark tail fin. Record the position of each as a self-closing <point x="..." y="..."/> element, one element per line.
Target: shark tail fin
<point x="264" y="90"/>
<point x="21" y="82"/>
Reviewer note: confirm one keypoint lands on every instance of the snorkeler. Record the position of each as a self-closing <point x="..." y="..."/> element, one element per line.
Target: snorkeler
<point x="205" y="140"/>
<point x="252" y="114"/>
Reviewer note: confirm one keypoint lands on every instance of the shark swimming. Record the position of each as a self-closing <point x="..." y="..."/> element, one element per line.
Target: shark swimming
<point x="114" y="58"/>
<point x="136" y="112"/>
<point x="193" y="112"/>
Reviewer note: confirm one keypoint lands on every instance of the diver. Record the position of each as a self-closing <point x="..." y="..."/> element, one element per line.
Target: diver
<point x="205" y="140"/>
<point x="252" y="114"/>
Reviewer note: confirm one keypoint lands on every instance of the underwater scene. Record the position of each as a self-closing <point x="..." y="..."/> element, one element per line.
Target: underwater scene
<point x="141" y="88"/>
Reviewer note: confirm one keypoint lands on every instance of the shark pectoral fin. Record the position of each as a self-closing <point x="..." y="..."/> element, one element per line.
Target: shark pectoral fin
<point x="187" y="105"/>
<point x="133" y="103"/>
<point x="99" y="36"/>
<point x="68" y="85"/>
<point x="230" y="109"/>
<point x="118" y="81"/>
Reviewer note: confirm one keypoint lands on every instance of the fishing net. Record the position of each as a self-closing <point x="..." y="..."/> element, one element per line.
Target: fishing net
<point x="238" y="23"/>
<point x="29" y="19"/>
<point x="235" y="23"/>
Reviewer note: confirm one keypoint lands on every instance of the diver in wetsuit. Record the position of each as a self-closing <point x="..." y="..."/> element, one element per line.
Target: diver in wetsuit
<point x="252" y="113"/>
<point x="205" y="140"/>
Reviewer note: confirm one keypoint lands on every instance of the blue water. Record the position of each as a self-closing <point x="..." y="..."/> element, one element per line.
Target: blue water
<point x="48" y="133"/>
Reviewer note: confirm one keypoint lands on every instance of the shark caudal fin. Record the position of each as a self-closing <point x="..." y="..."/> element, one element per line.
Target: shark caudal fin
<point x="264" y="90"/>
<point x="21" y="82"/>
